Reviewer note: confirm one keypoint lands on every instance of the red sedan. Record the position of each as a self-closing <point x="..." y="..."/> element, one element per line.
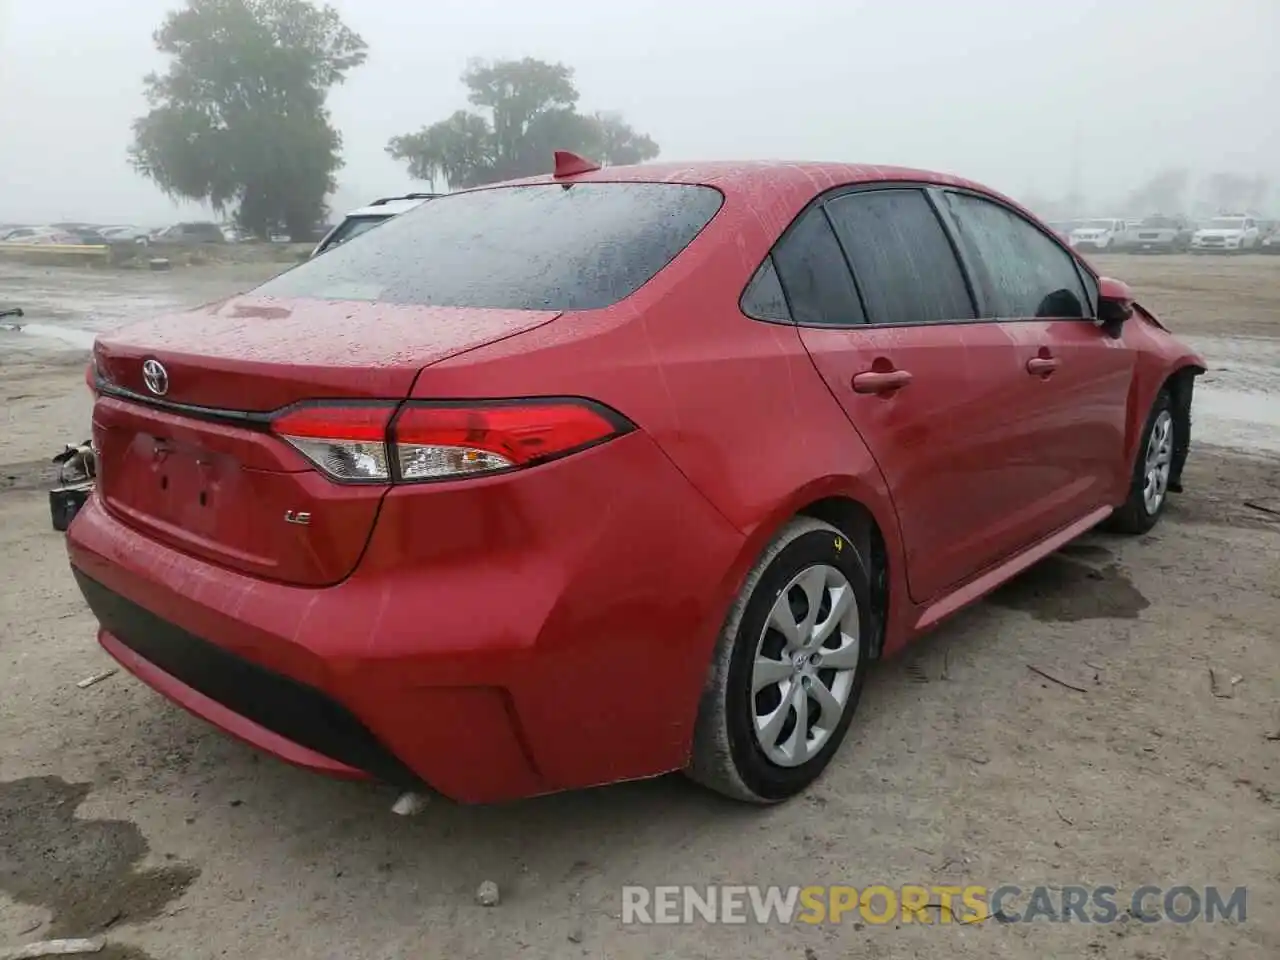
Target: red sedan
<point x="614" y="472"/>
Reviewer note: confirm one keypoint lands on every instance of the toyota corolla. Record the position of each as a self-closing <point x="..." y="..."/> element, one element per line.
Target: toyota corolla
<point x="610" y="473"/>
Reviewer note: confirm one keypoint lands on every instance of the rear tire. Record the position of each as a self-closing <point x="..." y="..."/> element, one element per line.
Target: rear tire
<point x="1149" y="486"/>
<point x="793" y="651"/>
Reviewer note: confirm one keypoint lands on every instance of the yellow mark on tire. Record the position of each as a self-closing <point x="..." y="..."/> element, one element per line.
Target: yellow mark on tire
<point x="839" y="544"/>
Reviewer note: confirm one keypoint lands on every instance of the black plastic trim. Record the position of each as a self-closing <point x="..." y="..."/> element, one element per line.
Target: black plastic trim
<point x="294" y="710"/>
<point x="242" y="418"/>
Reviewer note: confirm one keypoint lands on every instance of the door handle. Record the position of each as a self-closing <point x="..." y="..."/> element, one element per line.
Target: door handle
<point x="1041" y="366"/>
<point x="877" y="381"/>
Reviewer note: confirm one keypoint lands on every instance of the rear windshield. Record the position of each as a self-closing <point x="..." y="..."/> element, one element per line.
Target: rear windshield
<point x="539" y="247"/>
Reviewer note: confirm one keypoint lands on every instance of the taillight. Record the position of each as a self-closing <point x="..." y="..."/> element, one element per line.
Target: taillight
<point x="443" y="440"/>
<point x="346" y="442"/>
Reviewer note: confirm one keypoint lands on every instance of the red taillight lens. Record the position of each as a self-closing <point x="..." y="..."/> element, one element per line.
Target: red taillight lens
<point x="445" y="440"/>
<point x="346" y="442"/>
<point x="437" y="441"/>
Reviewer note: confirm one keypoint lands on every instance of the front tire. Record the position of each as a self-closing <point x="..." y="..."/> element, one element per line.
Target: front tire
<point x="1149" y="486"/>
<point x="788" y="669"/>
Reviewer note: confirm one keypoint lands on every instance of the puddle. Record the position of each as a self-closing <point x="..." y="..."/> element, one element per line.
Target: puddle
<point x="1237" y="403"/>
<point x="47" y="331"/>
<point x="85" y="872"/>
<point x="1243" y="419"/>
<point x="1062" y="590"/>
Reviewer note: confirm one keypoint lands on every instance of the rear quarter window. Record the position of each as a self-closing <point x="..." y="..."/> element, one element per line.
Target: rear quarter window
<point x="579" y="246"/>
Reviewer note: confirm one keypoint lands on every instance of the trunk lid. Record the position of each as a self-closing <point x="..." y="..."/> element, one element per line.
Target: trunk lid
<point x="190" y="460"/>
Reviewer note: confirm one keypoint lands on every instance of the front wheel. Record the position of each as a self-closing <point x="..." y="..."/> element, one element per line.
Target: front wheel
<point x="1149" y="487"/>
<point x="788" y="669"/>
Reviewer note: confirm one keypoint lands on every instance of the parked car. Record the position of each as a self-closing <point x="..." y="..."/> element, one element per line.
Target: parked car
<point x="609" y="473"/>
<point x="197" y="232"/>
<point x="126" y="234"/>
<point x="41" y="235"/>
<point x="1062" y="228"/>
<point x="1162" y="235"/>
<point x="366" y="218"/>
<point x="1271" y="240"/>
<point x="1228" y="234"/>
<point x="1105" y="234"/>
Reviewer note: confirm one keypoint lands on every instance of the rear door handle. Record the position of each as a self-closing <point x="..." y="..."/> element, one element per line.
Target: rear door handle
<point x="876" y="381"/>
<point x="1041" y="366"/>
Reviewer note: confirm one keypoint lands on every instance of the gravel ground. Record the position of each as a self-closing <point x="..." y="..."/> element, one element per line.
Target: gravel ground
<point x="121" y="815"/>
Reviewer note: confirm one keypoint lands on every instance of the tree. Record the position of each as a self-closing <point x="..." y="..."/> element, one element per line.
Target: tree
<point x="529" y="110"/>
<point x="1233" y="193"/>
<point x="1164" y="193"/>
<point x="239" y="120"/>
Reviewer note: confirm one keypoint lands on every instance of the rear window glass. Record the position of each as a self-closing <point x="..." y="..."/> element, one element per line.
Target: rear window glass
<point x="539" y="247"/>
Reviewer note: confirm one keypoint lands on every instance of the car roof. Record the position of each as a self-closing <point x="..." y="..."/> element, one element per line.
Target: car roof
<point x="750" y="176"/>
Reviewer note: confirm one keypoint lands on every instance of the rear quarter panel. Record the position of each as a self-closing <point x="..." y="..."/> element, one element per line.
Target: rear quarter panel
<point x="735" y="403"/>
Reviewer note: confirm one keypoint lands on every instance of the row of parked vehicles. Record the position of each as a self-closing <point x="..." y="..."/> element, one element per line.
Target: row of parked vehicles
<point x="1226" y="233"/>
<point x="85" y="234"/>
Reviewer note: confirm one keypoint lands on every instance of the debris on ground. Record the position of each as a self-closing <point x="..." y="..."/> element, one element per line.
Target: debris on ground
<point x="1221" y="686"/>
<point x="1274" y="732"/>
<point x="53" y="948"/>
<point x="96" y="678"/>
<point x="1058" y="680"/>
<point x="487" y="894"/>
<point x="77" y="469"/>
<point x="409" y="803"/>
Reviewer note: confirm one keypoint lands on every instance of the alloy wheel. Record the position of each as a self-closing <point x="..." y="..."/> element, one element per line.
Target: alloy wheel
<point x="805" y="662"/>
<point x="1158" y="461"/>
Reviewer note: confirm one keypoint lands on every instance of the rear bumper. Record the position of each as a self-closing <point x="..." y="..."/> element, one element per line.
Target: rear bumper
<point x="501" y="638"/>
<point x="295" y="722"/>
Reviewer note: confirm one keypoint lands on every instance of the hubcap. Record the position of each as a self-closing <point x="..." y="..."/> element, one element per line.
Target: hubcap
<point x="805" y="662"/>
<point x="1158" y="460"/>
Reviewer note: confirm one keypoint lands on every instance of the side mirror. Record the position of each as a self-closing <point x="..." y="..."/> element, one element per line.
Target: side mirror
<point x="1115" y="304"/>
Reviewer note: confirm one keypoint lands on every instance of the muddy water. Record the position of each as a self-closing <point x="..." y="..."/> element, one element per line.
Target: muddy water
<point x="97" y="300"/>
<point x="1237" y="403"/>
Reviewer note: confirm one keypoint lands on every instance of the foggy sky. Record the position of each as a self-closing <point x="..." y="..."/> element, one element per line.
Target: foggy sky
<point x="1007" y="92"/>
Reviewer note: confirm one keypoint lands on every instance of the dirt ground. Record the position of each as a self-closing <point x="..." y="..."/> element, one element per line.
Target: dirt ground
<point x="121" y="815"/>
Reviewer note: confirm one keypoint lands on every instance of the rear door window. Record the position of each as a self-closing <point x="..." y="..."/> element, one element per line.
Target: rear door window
<point x="815" y="276"/>
<point x="578" y="246"/>
<point x="1026" y="273"/>
<point x="905" y="265"/>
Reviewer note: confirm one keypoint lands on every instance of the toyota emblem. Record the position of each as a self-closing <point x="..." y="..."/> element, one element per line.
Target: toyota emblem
<point x="156" y="377"/>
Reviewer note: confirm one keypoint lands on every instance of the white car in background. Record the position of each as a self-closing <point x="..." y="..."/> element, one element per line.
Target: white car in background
<point x="41" y="235"/>
<point x="1105" y="234"/>
<point x="1228" y="234"/>
<point x="366" y="218"/>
